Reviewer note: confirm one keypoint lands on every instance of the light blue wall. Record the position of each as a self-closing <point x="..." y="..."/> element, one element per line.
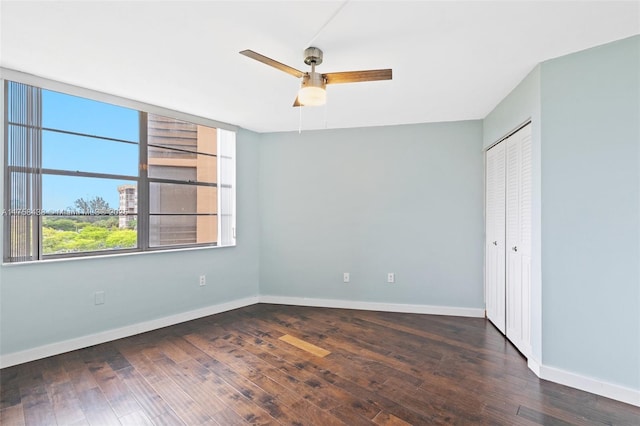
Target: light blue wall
<point x="521" y="105"/>
<point x="403" y="199"/>
<point x="54" y="301"/>
<point x="591" y="212"/>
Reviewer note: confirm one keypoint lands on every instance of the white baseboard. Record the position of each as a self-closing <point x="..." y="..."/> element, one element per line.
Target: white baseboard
<point x="533" y="365"/>
<point x="374" y="306"/>
<point x="591" y="385"/>
<point x="587" y="384"/>
<point x="118" y="333"/>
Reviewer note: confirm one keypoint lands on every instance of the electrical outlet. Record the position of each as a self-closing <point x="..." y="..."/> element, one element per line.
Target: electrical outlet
<point x="391" y="277"/>
<point x="346" y="277"/>
<point x="203" y="280"/>
<point x="98" y="297"/>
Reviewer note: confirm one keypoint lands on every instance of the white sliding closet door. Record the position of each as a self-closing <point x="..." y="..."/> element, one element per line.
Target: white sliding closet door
<point x="495" y="235"/>
<point x="508" y="234"/>
<point x="518" y="238"/>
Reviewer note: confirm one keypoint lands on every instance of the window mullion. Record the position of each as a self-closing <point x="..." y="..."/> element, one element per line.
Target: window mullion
<point x="143" y="186"/>
<point x="7" y="187"/>
<point x="37" y="177"/>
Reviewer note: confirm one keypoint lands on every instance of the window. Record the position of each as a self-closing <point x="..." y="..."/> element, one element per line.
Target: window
<point x="86" y="177"/>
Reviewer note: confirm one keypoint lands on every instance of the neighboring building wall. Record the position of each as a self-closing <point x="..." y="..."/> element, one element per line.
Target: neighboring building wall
<point x="167" y="139"/>
<point x="129" y="205"/>
<point x="207" y="197"/>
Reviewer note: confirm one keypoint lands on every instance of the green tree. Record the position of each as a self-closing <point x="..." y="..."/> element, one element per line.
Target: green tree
<point x="60" y="224"/>
<point x="110" y="222"/>
<point x="56" y="241"/>
<point x="122" y="238"/>
<point x="93" y="208"/>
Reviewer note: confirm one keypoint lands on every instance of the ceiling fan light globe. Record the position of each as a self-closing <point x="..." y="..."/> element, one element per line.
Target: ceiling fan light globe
<point x="312" y="96"/>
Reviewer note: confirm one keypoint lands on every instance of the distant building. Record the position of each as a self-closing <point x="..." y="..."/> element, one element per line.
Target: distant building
<point x="128" y="204"/>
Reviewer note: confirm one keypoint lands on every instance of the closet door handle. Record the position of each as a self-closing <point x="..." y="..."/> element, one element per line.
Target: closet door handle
<point x="514" y="248"/>
<point x="495" y="243"/>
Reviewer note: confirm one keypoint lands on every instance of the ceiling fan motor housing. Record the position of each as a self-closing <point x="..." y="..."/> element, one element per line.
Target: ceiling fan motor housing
<point x="313" y="80"/>
<point x="312" y="55"/>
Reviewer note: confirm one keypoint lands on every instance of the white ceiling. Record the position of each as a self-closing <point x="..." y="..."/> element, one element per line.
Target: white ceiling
<point x="451" y="60"/>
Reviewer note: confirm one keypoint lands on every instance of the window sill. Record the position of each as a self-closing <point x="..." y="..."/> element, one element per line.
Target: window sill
<point x="112" y="255"/>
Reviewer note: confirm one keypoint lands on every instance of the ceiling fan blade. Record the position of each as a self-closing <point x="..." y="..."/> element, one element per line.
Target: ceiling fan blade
<point x="273" y="63"/>
<point x="357" y="76"/>
<point x="297" y="103"/>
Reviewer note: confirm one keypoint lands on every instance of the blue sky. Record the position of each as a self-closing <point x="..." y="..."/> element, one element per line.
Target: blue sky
<point x="70" y="152"/>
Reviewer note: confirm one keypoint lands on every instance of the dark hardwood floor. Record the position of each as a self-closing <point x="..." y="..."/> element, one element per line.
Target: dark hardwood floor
<point x="270" y="364"/>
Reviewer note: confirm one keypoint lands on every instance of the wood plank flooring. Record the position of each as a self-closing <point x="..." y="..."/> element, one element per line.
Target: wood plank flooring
<point x="337" y="367"/>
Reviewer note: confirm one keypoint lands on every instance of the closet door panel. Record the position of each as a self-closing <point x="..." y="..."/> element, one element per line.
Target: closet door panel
<point x="526" y="197"/>
<point x="513" y="286"/>
<point x="495" y="237"/>
<point x="518" y="237"/>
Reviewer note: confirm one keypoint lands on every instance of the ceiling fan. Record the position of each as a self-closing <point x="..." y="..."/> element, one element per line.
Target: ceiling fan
<point x="313" y="86"/>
